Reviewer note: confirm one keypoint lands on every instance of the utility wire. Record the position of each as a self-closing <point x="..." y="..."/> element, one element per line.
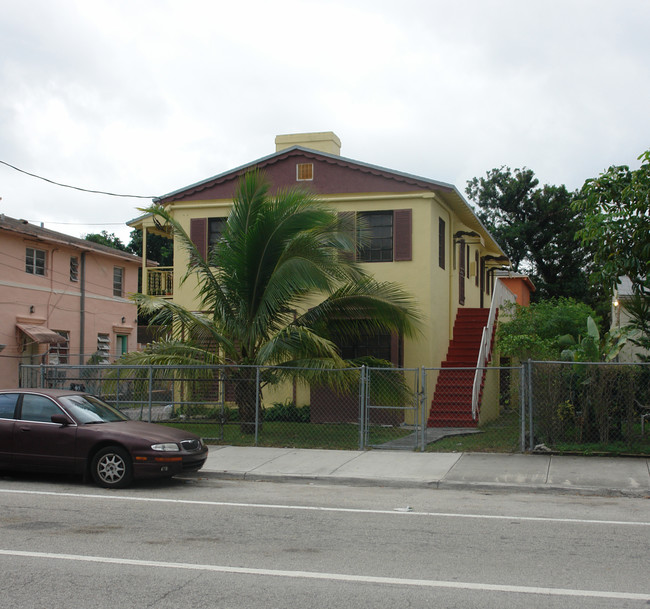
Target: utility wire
<point x="98" y="192"/>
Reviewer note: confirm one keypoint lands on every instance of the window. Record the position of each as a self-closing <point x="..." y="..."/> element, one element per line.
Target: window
<point x="205" y="232"/>
<point x="441" y="243"/>
<point x="38" y="408"/>
<point x="304" y="171"/>
<point x="58" y="353"/>
<point x="216" y="227"/>
<point x="118" y="281"/>
<point x="35" y="261"/>
<point x="74" y="268"/>
<point x="103" y="348"/>
<point x="8" y="405"/>
<point x="378" y="233"/>
<point x="377" y="345"/>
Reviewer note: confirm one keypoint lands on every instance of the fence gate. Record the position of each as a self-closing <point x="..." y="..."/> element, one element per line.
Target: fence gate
<point x="391" y="408"/>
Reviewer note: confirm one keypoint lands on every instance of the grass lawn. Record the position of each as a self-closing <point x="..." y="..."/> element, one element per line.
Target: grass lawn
<point x="342" y="436"/>
<point x="500" y="436"/>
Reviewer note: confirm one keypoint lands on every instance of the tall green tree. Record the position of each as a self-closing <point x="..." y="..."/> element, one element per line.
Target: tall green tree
<point x="159" y="249"/>
<point x="536" y="227"/>
<point x="108" y="239"/>
<point x="279" y="254"/>
<point x="615" y="207"/>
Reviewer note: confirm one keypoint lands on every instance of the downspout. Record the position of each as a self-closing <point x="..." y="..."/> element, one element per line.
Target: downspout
<point x="82" y="307"/>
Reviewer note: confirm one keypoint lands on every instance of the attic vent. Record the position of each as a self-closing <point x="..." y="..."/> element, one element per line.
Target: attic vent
<point x="304" y="171"/>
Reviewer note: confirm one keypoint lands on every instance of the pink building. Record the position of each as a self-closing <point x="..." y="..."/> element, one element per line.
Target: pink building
<point x="63" y="299"/>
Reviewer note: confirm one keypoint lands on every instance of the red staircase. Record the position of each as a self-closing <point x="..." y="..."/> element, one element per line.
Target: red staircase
<point x="452" y="399"/>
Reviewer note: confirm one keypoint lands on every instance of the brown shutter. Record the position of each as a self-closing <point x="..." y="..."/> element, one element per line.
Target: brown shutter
<point x="461" y="274"/>
<point x="442" y="246"/>
<point x="199" y="234"/>
<point x="402" y="234"/>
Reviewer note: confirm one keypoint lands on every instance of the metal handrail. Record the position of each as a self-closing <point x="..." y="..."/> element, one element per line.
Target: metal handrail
<point x="500" y="296"/>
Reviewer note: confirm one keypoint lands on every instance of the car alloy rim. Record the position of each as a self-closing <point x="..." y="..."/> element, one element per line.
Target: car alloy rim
<point x="111" y="468"/>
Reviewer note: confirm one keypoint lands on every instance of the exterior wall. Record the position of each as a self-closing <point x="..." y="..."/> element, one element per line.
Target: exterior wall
<point x="521" y="287"/>
<point x="351" y="186"/>
<point x="434" y="289"/>
<point x="621" y="318"/>
<point x="54" y="301"/>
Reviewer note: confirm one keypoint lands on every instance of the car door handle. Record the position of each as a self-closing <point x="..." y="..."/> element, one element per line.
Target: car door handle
<point x="25" y="429"/>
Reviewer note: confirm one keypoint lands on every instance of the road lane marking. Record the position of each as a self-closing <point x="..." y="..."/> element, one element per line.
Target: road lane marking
<point x="311" y="508"/>
<point x="342" y="577"/>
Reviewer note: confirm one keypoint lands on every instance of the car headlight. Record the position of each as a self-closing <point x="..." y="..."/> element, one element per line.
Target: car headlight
<point x="167" y="447"/>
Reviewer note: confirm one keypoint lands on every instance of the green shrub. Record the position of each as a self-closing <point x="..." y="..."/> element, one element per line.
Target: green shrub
<point x="286" y="412"/>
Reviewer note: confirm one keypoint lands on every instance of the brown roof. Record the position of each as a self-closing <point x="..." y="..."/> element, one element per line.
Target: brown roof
<point x="24" y="228"/>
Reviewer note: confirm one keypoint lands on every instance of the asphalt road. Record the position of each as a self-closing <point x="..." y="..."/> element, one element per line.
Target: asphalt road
<point x="204" y="543"/>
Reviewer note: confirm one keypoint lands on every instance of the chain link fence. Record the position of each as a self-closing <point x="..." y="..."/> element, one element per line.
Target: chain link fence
<point x="553" y="406"/>
<point x="588" y="407"/>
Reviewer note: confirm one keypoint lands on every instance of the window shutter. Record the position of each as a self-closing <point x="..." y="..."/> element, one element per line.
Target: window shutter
<point x="442" y="247"/>
<point x="461" y="274"/>
<point x="402" y="234"/>
<point x="199" y="234"/>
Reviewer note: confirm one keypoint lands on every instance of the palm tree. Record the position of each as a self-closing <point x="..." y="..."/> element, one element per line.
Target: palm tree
<point x="278" y="254"/>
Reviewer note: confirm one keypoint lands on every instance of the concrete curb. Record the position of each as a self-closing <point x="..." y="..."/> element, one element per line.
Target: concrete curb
<point x="641" y="493"/>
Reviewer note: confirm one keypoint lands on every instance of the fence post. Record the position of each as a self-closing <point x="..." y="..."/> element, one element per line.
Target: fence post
<point x="222" y="400"/>
<point x="257" y="404"/>
<point x="150" y="396"/>
<point x="362" y="407"/>
<point x="531" y="429"/>
<point x="117" y="389"/>
<point x="522" y="407"/>
<point x="423" y="408"/>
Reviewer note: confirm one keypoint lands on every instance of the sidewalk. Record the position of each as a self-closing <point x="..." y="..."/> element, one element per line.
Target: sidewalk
<point x="460" y="471"/>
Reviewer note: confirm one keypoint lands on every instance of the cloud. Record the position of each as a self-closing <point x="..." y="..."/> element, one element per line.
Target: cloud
<point x="146" y="97"/>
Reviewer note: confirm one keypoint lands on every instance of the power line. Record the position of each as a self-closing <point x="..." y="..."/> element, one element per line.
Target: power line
<point x="97" y="192"/>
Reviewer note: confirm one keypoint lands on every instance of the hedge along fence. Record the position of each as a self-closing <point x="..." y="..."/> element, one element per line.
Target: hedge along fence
<point x="596" y="405"/>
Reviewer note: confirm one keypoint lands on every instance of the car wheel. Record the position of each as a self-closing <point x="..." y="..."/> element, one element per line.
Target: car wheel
<point x="112" y="468"/>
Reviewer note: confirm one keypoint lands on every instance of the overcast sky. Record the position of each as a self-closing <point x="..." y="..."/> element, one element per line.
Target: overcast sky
<point x="144" y="97"/>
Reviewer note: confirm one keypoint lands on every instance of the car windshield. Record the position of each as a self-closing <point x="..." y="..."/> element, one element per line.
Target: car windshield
<point x="89" y="409"/>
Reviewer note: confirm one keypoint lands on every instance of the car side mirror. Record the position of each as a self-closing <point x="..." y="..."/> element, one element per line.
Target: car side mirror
<point x="61" y="419"/>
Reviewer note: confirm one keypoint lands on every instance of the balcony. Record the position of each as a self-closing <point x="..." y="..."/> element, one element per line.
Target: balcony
<point x="160" y="281"/>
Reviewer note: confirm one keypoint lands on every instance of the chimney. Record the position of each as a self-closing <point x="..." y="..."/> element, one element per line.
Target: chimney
<point x="326" y="141"/>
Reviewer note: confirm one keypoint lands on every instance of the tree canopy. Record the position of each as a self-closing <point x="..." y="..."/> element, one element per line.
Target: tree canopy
<point x="108" y="239"/>
<point x="615" y="208"/>
<point x="159" y="248"/>
<point x="536" y="227"/>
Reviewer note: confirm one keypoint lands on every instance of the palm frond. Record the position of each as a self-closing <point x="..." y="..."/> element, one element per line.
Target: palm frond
<point x="365" y="307"/>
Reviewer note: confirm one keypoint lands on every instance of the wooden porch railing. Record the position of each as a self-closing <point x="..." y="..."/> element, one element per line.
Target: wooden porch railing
<point x="160" y="281"/>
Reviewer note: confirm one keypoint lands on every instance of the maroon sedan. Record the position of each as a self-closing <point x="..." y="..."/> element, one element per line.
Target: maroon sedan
<point x="67" y="431"/>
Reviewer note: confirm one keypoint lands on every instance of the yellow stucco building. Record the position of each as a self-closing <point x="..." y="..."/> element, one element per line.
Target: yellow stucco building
<point x="424" y="235"/>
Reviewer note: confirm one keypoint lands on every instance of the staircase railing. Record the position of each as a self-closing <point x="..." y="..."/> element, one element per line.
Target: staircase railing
<point x="500" y="296"/>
